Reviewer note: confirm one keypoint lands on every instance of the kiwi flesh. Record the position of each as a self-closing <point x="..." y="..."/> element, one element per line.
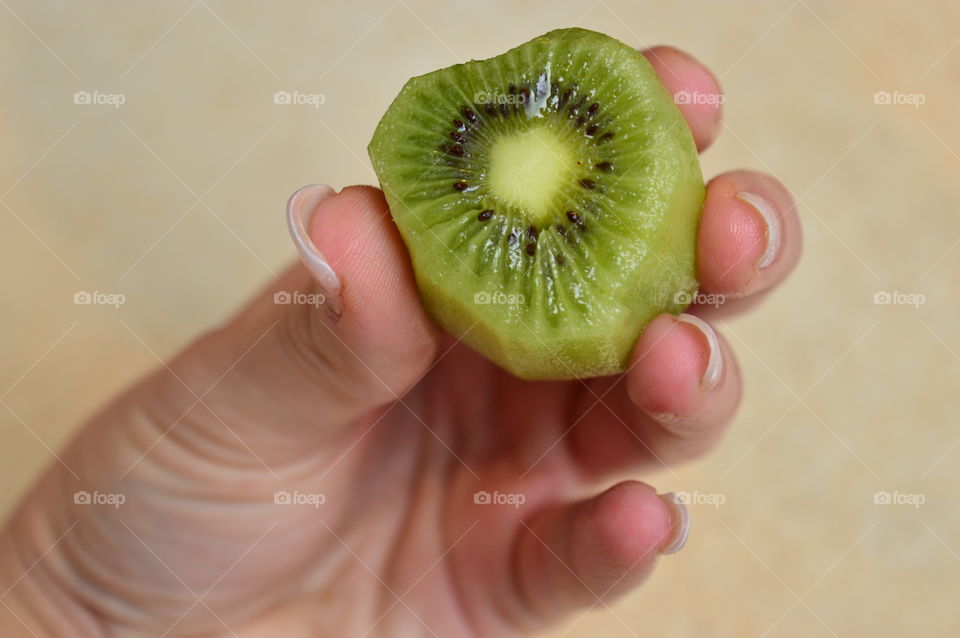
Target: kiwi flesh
<point x="549" y="198"/>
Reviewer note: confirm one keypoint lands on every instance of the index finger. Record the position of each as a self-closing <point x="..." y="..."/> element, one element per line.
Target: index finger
<point x="694" y="88"/>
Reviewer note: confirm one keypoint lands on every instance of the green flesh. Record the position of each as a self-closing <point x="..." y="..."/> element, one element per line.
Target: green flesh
<point x="594" y="208"/>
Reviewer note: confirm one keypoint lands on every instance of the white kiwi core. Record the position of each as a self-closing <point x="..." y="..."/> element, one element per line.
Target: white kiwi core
<point x="529" y="169"/>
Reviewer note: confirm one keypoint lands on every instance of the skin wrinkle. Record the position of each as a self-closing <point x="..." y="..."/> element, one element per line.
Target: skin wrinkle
<point x="301" y="338"/>
<point x="46" y="613"/>
<point x="466" y="447"/>
<point x="572" y="441"/>
<point x="181" y="464"/>
<point x="406" y="531"/>
<point x="313" y="347"/>
<point x="449" y="468"/>
<point x="522" y="616"/>
<point x="146" y="420"/>
<point x="295" y="338"/>
<point x="70" y="576"/>
<point x="517" y="617"/>
<point x="197" y="434"/>
<point x="459" y="595"/>
<point x="46" y="596"/>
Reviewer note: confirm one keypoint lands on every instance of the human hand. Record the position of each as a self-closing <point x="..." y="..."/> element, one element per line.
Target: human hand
<point x="363" y="404"/>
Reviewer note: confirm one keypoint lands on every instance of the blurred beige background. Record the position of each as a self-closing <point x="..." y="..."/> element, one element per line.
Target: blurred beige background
<point x="175" y="200"/>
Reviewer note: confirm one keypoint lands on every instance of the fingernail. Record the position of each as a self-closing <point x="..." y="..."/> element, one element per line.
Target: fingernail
<point x="769" y="215"/>
<point x="714" y="370"/>
<point x="300" y="209"/>
<point x="681" y="524"/>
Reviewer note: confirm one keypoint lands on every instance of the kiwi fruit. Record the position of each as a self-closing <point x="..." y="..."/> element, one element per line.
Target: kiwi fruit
<point x="549" y="199"/>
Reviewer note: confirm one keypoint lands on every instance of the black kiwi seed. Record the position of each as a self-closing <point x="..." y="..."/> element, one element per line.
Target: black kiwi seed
<point x="592" y="130"/>
<point x="592" y="110"/>
<point x="572" y="216"/>
<point x="467" y="113"/>
<point x="459" y="125"/>
<point x="489" y="109"/>
<point x="561" y="230"/>
<point x="589" y="184"/>
<point x="581" y="121"/>
<point x="458" y="151"/>
<point x="460" y="186"/>
<point x="606" y="137"/>
<point x="533" y="232"/>
<point x="606" y="167"/>
<point x="560" y="259"/>
<point x="457" y="137"/>
<point x="504" y="110"/>
<point x="565" y="97"/>
<point x="485" y="215"/>
<point x="531" y="249"/>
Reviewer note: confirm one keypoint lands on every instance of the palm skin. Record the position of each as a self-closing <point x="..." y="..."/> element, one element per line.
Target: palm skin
<point x="407" y="550"/>
<point x="419" y="556"/>
<point x="398" y="546"/>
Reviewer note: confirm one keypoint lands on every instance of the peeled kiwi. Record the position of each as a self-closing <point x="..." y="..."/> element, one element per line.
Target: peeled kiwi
<point x="549" y="198"/>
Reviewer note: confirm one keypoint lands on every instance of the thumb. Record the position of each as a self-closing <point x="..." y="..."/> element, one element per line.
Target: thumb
<point x="270" y="382"/>
<point x="374" y="340"/>
<point x="336" y="336"/>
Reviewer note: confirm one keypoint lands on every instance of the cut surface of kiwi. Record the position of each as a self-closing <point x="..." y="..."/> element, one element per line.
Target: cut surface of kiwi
<point x="549" y="198"/>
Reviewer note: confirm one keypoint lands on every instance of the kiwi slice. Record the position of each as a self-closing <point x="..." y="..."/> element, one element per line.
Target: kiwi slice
<point x="549" y="198"/>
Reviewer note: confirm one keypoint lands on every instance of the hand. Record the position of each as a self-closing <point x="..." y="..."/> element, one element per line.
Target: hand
<point x="378" y="437"/>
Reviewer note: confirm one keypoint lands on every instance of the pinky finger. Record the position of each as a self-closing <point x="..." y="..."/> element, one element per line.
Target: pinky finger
<point x="587" y="553"/>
